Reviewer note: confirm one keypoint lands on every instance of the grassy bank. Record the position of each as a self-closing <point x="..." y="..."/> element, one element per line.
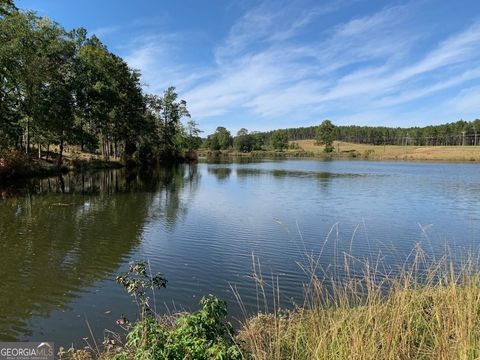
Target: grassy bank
<point x="420" y="312"/>
<point x="434" y="321"/>
<point x="290" y="153"/>
<point x="396" y="152"/>
<point x="343" y="150"/>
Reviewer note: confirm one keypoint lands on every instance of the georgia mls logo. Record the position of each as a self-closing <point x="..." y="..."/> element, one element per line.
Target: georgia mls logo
<point x="27" y="351"/>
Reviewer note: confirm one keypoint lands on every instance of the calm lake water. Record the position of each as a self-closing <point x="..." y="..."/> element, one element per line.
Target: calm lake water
<point x="63" y="240"/>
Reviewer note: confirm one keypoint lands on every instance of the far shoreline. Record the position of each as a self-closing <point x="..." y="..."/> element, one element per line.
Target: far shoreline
<point x="308" y="149"/>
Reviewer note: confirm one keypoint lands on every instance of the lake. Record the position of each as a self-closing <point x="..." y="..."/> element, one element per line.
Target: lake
<point x="63" y="240"/>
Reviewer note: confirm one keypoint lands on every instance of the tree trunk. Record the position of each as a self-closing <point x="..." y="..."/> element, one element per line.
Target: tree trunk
<point x="60" y="156"/>
<point x="27" y="148"/>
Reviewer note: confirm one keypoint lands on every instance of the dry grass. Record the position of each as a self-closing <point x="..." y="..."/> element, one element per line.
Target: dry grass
<point x="430" y="309"/>
<point x="432" y="313"/>
<point x="396" y="152"/>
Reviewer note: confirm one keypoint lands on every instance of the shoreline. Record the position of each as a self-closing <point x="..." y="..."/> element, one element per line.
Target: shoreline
<point x="78" y="163"/>
<point x="419" y="154"/>
<point x="43" y="169"/>
<point x="349" y="151"/>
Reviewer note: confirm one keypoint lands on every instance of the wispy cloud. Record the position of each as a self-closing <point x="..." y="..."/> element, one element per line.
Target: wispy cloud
<point x="359" y="68"/>
<point x="156" y="56"/>
<point x="102" y="32"/>
<point x="468" y="101"/>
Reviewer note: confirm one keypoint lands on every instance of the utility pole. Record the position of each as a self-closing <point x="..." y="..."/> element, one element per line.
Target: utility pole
<point x="406" y="143"/>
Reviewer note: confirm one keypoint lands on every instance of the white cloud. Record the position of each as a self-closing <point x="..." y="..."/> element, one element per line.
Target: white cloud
<point x="467" y="101"/>
<point x="154" y="56"/>
<point x="105" y="31"/>
<point x="360" y="69"/>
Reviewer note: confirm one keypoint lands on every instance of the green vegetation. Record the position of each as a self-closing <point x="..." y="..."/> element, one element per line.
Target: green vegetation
<point x="245" y="142"/>
<point x="326" y="135"/>
<point x="278" y="140"/>
<point x="202" y="335"/>
<point x="6" y="7"/>
<point x="221" y="139"/>
<point x="451" y="134"/>
<point x="429" y="309"/>
<point x="437" y="320"/>
<point x="60" y="88"/>
<point x="450" y="142"/>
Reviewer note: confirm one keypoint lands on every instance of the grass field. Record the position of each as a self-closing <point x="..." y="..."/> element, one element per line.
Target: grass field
<point x="396" y="152"/>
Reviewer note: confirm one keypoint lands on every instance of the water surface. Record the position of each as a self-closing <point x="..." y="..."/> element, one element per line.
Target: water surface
<point x="63" y="240"/>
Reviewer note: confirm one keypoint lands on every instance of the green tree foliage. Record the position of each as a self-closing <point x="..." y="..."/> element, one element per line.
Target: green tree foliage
<point x="246" y="142"/>
<point x="221" y="139"/>
<point x="457" y="133"/>
<point x="192" y="135"/>
<point x="37" y="80"/>
<point x="6" y="7"/>
<point x="59" y="87"/>
<point x="243" y="142"/>
<point x="111" y="107"/>
<point x="326" y="135"/>
<point x="165" y="113"/>
<point x="172" y="112"/>
<point x="278" y="140"/>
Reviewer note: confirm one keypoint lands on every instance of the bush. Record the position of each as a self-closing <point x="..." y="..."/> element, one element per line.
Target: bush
<point x="202" y="335"/>
<point x="369" y="154"/>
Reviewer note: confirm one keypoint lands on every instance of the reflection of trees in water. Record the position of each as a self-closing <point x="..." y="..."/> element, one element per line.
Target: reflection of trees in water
<point x="323" y="177"/>
<point x="221" y="173"/>
<point x="233" y="160"/>
<point x="65" y="233"/>
<point x="175" y="190"/>
<point x="280" y="173"/>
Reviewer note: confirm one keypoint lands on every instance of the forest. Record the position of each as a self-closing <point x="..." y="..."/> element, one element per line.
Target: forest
<point x="460" y="133"/>
<point x="451" y="134"/>
<point x="60" y="87"/>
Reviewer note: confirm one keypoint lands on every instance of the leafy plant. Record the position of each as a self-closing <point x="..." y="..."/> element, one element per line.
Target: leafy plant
<point x="204" y="334"/>
<point x="137" y="281"/>
<point x="201" y="335"/>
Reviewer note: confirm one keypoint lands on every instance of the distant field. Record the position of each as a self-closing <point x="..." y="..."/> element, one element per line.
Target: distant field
<point x="396" y="152"/>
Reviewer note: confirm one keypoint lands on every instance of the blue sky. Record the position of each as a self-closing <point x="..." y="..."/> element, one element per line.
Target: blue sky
<point x="275" y="64"/>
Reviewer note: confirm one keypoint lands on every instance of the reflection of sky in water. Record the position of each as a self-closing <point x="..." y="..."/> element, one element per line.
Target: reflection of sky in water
<point x="200" y="226"/>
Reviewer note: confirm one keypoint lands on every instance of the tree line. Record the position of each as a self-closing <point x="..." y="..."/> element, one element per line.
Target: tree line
<point x="60" y="87"/>
<point x="246" y="141"/>
<point x="450" y="134"/>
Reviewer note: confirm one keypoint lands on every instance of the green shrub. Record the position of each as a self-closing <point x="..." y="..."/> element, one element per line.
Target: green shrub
<point x="202" y="335"/>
